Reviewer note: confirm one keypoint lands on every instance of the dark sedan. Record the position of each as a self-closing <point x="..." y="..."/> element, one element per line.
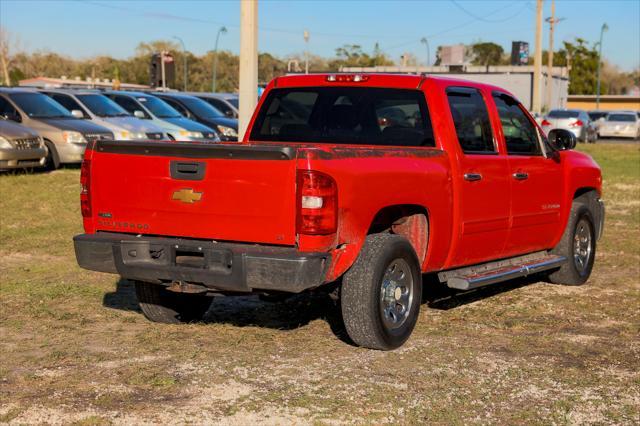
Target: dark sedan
<point x="202" y="112"/>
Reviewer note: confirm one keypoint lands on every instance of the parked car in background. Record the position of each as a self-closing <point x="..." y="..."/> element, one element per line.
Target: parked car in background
<point x="621" y="124"/>
<point x="149" y="107"/>
<point x="598" y="117"/>
<point x="92" y="105"/>
<point x="65" y="136"/>
<point x="576" y="121"/>
<point x="202" y="112"/>
<point x="20" y="147"/>
<point x="227" y="103"/>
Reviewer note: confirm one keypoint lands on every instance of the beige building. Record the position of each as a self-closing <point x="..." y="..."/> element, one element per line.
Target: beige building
<point x="607" y="102"/>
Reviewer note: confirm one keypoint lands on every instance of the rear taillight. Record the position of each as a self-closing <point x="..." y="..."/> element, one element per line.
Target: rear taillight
<point x="317" y="203"/>
<point x="85" y="188"/>
<point x="545" y="123"/>
<point x="577" y="123"/>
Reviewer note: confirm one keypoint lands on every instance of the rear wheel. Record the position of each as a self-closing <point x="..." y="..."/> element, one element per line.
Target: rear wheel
<point x="381" y="293"/>
<point x="578" y="245"/>
<point x="161" y="305"/>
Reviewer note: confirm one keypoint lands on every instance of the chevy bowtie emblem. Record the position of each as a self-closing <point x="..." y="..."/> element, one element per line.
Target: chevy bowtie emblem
<point x="187" y="195"/>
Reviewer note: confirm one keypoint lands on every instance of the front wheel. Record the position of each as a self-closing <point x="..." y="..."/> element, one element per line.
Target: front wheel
<point x="161" y="305"/>
<point x="578" y="245"/>
<point x="381" y="293"/>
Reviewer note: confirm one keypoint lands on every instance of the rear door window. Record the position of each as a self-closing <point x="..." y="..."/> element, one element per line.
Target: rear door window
<point x="471" y="120"/>
<point x="345" y="115"/>
<point x="520" y="134"/>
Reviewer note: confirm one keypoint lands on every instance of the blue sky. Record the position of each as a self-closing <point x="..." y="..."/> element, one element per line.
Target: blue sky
<point x="86" y="28"/>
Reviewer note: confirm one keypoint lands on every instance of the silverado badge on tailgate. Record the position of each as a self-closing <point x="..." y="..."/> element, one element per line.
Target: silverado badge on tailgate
<point x="187" y="195"/>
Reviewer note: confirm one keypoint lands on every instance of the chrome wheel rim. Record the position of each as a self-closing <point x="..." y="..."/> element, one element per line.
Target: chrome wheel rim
<point x="582" y="245"/>
<point x="396" y="294"/>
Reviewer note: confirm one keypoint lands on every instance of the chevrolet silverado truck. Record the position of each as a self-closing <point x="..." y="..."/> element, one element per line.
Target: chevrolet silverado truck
<point x="359" y="182"/>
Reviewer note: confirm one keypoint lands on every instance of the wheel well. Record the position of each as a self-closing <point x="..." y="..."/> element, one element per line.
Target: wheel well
<point x="581" y="191"/>
<point x="408" y="220"/>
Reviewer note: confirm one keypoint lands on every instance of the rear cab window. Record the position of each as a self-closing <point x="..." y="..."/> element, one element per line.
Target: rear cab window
<point x="471" y="120"/>
<point x="345" y="115"/>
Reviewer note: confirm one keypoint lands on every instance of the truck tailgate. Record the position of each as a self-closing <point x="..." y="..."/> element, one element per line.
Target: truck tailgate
<point x="220" y="192"/>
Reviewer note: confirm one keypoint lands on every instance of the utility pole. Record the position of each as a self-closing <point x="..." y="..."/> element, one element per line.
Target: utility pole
<point x="306" y="52"/>
<point x="248" y="63"/>
<point x="162" y="56"/>
<point x="604" y="28"/>
<point x="184" y="56"/>
<point x="537" y="61"/>
<point x="552" y="22"/>
<point x="222" y="30"/>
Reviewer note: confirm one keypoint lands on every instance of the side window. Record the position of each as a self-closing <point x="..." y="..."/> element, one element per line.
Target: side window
<point x="520" y="134"/>
<point x="128" y="104"/>
<point x="221" y="106"/>
<point x="68" y="102"/>
<point x="177" y="106"/>
<point x="471" y="120"/>
<point x="6" y="109"/>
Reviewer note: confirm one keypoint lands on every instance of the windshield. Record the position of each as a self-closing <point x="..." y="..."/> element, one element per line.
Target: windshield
<point x="346" y="115"/>
<point x="158" y="107"/>
<point x="102" y="106"/>
<point x="563" y="114"/>
<point x="37" y="105"/>
<point x="621" y="117"/>
<point x="201" y="108"/>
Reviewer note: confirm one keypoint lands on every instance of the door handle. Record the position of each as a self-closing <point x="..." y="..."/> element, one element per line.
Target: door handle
<point x="471" y="177"/>
<point x="521" y="176"/>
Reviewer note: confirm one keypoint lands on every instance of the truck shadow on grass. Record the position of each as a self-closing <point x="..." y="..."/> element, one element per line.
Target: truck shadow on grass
<point x="299" y="310"/>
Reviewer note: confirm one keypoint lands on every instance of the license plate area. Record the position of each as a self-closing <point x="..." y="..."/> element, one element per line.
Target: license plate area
<point x="179" y="256"/>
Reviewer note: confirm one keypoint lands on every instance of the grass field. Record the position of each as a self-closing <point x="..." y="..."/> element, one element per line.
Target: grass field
<point x="75" y="348"/>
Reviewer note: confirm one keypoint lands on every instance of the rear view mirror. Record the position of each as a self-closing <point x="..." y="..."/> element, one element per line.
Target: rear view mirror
<point x="562" y="140"/>
<point x="77" y="113"/>
<point x="139" y="114"/>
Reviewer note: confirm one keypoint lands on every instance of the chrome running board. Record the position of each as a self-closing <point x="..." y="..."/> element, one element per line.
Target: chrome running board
<point x="503" y="270"/>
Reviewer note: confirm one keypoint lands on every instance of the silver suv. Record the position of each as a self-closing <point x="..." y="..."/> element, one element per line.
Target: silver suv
<point x="65" y="136"/>
<point x="20" y="147"/>
<point x="92" y="105"/>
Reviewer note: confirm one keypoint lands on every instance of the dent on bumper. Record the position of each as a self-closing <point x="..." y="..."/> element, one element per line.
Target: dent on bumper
<point x="219" y="266"/>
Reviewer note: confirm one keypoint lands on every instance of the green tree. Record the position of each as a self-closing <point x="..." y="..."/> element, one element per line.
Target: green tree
<point x="584" y="65"/>
<point x="487" y="53"/>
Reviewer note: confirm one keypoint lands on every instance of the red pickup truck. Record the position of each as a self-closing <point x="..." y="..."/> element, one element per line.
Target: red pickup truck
<point x="361" y="181"/>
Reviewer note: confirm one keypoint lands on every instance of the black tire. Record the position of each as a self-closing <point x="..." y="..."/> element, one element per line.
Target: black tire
<point x="53" y="159"/>
<point x="362" y="298"/>
<point x="161" y="305"/>
<point x="581" y="220"/>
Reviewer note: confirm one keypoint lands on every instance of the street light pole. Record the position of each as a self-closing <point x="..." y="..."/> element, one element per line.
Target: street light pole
<point x="306" y="52"/>
<point x="184" y="55"/>
<point x="424" y="41"/>
<point x="222" y="30"/>
<point x="602" y="30"/>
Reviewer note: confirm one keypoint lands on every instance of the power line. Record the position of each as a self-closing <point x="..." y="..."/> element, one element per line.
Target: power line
<point x="484" y="18"/>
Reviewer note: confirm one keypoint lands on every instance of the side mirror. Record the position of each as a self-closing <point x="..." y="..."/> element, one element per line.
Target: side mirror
<point x="77" y="113"/>
<point x="139" y="114"/>
<point x="562" y="140"/>
<point x="229" y="113"/>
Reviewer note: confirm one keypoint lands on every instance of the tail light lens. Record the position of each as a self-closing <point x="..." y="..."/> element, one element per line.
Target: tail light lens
<point x="85" y="188"/>
<point x="317" y="195"/>
<point x="545" y="123"/>
<point x="577" y="123"/>
<point x="347" y="78"/>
